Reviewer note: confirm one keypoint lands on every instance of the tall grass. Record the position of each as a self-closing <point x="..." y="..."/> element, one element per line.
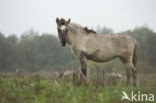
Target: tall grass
<point x="35" y="89"/>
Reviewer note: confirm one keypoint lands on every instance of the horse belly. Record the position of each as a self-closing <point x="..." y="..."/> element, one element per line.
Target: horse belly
<point x="101" y="56"/>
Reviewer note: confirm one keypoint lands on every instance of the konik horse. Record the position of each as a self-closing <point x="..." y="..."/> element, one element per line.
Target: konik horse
<point x="87" y="44"/>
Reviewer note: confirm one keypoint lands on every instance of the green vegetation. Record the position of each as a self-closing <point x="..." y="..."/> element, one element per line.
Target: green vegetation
<point x="35" y="89"/>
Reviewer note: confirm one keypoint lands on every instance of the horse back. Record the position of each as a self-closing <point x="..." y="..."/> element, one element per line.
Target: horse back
<point x="109" y="46"/>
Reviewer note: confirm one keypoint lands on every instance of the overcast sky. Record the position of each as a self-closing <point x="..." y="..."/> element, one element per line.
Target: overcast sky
<point x="17" y="16"/>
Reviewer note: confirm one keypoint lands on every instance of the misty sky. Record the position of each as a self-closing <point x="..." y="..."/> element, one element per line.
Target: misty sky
<point x="17" y="16"/>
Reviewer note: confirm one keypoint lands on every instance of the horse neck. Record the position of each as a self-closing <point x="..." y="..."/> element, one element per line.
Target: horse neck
<point x="75" y="33"/>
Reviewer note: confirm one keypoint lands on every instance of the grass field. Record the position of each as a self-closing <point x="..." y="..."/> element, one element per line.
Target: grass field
<point x="35" y="89"/>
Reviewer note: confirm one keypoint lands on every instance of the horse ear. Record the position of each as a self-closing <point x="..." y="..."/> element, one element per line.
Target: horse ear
<point x="68" y="21"/>
<point x="57" y="20"/>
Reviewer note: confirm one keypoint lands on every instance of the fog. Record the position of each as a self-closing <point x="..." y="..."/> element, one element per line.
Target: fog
<point x="17" y="16"/>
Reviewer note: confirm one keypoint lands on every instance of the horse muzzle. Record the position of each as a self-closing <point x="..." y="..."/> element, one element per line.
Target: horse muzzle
<point x="63" y="39"/>
<point x="63" y="43"/>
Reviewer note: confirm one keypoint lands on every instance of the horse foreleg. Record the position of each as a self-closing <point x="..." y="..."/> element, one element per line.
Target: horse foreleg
<point x="83" y="62"/>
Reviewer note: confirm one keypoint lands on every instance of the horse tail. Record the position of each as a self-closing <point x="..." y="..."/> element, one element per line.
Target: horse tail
<point x="135" y="53"/>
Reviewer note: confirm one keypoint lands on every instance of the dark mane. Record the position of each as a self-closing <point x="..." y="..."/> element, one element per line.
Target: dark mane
<point x="89" y="30"/>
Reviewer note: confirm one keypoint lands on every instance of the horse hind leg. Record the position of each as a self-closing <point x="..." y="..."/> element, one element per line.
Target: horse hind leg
<point x="134" y="74"/>
<point x="128" y="67"/>
<point x="130" y="70"/>
<point x="128" y="73"/>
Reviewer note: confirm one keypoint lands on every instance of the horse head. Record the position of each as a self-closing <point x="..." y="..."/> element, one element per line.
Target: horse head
<point x="62" y="29"/>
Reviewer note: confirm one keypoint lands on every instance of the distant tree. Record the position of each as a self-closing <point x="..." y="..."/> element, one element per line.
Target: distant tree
<point x="104" y="30"/>
<point x="146" y="39"/>
<point x="6" y="52"/>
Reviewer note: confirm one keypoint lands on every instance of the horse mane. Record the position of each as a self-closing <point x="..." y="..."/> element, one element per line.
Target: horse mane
<point x="89" y="30"/>
<point x="85" y="29"/>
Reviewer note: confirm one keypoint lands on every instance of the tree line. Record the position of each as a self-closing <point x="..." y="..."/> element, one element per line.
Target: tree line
<point x="32" y="52"/>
